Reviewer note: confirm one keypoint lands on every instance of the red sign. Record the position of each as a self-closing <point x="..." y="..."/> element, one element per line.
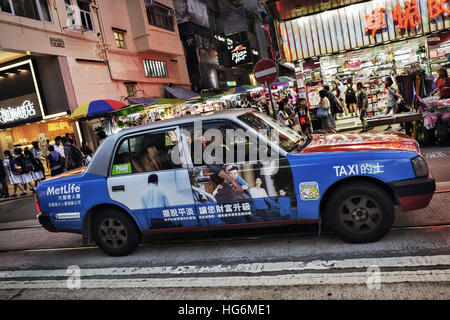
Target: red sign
<point x="407" y="16"/>
<point x="265" y="71"/>
<point x="375" y="21"/>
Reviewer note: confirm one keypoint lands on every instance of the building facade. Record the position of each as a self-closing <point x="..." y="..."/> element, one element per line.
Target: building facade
<point x="223" y="40"/>
<point x="69" y="52"/>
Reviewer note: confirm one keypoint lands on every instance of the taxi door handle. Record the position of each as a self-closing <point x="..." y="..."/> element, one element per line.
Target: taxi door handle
<point x="118" y="188"/>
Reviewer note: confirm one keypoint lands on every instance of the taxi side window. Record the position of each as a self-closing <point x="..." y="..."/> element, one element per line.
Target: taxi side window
<point x="153" y="151"/>
<point x="232" y="147"/>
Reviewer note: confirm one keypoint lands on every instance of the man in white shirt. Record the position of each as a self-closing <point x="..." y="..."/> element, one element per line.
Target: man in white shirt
<point x="59" y="147"/>
<point x="154" y="196"/>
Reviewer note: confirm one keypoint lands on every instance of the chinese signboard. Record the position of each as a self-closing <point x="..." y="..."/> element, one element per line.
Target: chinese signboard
<point x="20" y="99"/>
<point x="360" y="25"/>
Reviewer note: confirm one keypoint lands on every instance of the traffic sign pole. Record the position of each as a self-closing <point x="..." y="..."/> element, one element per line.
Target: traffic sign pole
<point x="274" y="115"/>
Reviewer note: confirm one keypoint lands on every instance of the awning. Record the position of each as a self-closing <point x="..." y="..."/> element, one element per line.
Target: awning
<point x="179" y="92"/>
<point x="146" y="101"/>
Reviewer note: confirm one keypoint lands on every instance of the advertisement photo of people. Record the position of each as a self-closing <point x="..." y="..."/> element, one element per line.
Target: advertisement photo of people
<point x="265" y="196"/>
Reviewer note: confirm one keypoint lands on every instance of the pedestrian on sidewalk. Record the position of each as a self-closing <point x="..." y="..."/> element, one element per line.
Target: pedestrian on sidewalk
<point x="282" y="115"/>
<point x="27" y="168"/>
<point x="350" y="97"/>
<point x="392" y="98"/>
<point x="303" y="115"/>
<point x="325" y="106"/>
<point x="36" y="174"/>
<point x="443" y="84"/>
<point x="362" y="103"/>
<point x="14" y="171"/>
<point x="59" y="147"/>
<point x="37" y="155"/>
<point x="335" y="106"/>
<point x="56" y="161"/>
<point x="340" y="95"/>
<point x="85" y="149"/>
<point x="74" y="157"/>
<point x="4" y="193"/>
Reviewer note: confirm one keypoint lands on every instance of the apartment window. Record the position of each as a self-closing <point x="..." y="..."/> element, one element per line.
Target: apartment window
<point x="120" y="39"/>
<point x="155" y="69"/>
<point x="85" y="13"/>
<point x="160" y="17"/>
<point x="86" y="16"/>
<point x="131" y="89"/>
<point x="33" y="9"/>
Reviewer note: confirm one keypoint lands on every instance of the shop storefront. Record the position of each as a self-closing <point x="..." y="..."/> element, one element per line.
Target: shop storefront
<point x="24" y="113"/>
<point x="368" y="42"/>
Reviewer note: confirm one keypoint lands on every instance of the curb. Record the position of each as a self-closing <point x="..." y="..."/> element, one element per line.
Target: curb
<point x="15" y="198"/>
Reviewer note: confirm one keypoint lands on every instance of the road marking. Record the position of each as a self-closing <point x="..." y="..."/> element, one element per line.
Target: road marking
<point x="352" y="278"/>
<point x="251" y="268"/>
<point x="435" y="154"/>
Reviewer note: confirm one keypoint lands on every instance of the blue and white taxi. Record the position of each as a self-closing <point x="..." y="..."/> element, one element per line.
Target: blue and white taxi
<point x="235" y="169"/>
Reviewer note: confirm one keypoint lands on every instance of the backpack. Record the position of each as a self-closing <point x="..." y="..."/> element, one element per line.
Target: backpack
<point x="77" y="156"/>
<point x="27" y="165"/>
<point x="37" y="165"/>
<point x="15" y="166"/>
<point x="350" y="94"/>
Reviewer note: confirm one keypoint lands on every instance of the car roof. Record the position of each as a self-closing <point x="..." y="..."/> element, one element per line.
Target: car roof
<point x="211" y="115"/>
<point x="101" y="160"/>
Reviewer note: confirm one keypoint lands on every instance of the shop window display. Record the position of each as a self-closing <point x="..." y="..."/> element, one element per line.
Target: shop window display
<point x="371" y="66"/>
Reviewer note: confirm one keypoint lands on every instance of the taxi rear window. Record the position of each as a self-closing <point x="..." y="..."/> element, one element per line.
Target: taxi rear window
<point x="148" y="152"/>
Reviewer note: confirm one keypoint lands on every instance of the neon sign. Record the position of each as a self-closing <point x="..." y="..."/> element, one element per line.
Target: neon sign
<point x="24" y="111"/>
<point x="239" y="54"/>
<point x="407" y="17"/>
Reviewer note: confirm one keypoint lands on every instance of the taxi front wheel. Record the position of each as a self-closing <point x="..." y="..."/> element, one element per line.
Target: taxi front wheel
<point x="115" y="233"/>
<point x="360" y="212"/>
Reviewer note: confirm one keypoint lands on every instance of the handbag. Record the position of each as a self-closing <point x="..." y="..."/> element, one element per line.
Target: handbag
<point x="321" y="113"/>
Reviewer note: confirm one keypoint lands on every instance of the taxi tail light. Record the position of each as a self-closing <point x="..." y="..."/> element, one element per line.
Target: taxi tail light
<point x="37" y="203"/>
<point x="420" y="166"/>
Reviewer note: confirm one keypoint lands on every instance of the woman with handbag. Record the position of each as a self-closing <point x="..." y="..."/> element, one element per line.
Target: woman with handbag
<point x="324" y="113"/>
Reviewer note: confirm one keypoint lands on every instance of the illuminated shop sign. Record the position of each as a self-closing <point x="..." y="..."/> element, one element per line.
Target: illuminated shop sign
<point x="20" y="98"/>
<point x="361" y="25"/>
<point x="24" y="111"/>
<point x="240" y="55"/>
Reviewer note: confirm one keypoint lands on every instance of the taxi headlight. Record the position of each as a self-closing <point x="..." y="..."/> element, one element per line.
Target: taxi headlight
<point x="420" y="166"/>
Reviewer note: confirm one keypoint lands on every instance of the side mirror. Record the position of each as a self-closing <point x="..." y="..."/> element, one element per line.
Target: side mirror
<point x="202" y="179"/>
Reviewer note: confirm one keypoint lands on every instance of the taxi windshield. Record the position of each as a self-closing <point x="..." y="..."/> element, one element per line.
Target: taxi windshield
<point x="289" y="139"/>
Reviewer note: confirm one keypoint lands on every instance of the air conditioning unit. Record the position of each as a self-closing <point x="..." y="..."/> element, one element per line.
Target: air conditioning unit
<point x="74" y="19"/>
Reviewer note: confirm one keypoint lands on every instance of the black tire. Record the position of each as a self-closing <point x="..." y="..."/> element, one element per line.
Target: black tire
<point x="115" y="233"/>
<point x="359" y="212"/>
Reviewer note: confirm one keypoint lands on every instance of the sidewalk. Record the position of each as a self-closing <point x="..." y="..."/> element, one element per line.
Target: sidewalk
<point x="11" y="191"/>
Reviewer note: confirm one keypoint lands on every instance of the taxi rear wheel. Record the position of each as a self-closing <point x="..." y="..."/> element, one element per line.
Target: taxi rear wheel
<point x="115" y="233"/>
<point x="360" y="212"/>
